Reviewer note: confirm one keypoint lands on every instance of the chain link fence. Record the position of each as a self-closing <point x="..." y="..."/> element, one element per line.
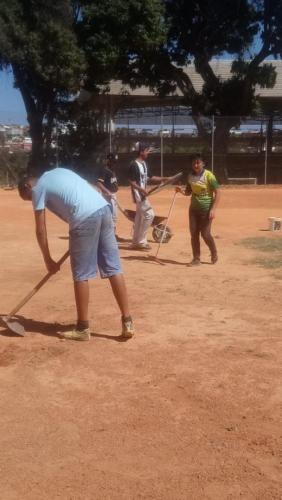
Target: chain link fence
<point x="239" y="150"/>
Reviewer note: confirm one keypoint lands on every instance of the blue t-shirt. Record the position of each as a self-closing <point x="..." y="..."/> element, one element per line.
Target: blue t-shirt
<point x="67" y="195"/>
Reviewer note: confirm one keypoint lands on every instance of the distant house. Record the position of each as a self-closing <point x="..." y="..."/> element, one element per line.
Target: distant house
<point x="14" y="131"/>
<point x="27" y="144"/>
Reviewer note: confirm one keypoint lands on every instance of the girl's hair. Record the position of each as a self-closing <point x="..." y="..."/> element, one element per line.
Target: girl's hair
<point x="197" y="156"/>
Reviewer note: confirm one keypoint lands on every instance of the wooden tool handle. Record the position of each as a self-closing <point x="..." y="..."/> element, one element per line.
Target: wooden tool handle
<point x="159" y="187"/>
<point x="36" y="288"/>
<point x="166" y="224"/>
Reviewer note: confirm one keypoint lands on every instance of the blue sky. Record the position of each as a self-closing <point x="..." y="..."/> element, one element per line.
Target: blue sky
<point x="12" y="108"/>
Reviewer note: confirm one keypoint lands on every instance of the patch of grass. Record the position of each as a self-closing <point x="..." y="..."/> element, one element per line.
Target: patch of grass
<point x="271" y="245"/>
<point x="271" y="263"/>
<point x="263" y="244"/>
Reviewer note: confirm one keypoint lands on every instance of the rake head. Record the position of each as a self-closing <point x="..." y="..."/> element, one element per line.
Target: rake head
<point x="14" y="325"/>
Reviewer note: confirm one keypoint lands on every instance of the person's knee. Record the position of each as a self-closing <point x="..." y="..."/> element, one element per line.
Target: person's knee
<point x="149" y="216"/>
<point x="194" y="232"/>
<point x="206" y="235"/>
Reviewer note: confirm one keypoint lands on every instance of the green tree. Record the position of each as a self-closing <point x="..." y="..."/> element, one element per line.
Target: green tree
<point x="201" y="30"/>
<point x="54" y="48"/>
<point x="115" y="36"/>
<point x="38" y="43"/>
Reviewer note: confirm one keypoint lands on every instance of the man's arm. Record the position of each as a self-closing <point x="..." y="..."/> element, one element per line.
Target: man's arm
<point x="100" y="183"/>
<point x="136" y="186"/>
<point x="103" y="189"/>
<point x="186" y="190"/>
<point x="156" y="179"/>
<point x="215" y="203"/>
<point x="42" y="239"/>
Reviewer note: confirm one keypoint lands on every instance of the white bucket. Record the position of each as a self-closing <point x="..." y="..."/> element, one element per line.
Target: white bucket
<point x="274" y="223"/>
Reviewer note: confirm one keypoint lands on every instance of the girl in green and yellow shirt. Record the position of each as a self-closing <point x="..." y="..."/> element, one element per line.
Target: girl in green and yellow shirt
<point x="204" y="188"/>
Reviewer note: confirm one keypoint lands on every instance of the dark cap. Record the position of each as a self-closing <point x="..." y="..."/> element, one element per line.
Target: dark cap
<point x="111" y="156"/>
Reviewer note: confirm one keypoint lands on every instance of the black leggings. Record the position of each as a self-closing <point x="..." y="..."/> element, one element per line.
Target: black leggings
<point x="200" y="223"/>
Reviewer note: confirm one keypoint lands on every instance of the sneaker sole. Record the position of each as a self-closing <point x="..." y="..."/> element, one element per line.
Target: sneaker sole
<point x="127" y="335"/>
<point x="141" y="249"/>
<point x="78" y="339"/>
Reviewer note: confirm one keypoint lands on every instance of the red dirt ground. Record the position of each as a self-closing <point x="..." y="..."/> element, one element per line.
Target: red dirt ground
<point x="189" y="409"/>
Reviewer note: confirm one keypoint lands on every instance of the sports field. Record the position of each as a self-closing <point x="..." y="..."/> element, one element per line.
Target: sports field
<point x="190" y="408"/>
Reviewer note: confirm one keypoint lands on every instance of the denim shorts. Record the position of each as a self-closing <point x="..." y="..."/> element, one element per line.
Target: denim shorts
<point x="93" y="246"/>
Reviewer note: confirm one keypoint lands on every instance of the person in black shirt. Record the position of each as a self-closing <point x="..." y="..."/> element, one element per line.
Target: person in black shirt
<point x="108" y="185"/>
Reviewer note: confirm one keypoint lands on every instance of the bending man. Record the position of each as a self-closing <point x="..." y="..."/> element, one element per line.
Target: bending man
<point x="92" y="239"/>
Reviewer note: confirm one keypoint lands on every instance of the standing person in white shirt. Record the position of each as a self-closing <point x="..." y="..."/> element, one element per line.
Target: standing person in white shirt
<point x="139" y="175"/>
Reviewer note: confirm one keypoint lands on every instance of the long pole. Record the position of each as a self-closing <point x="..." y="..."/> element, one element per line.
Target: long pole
<point x="57" y="145"/>
<point x="162" y="144"/>
<point x="212" y="151"/>
<point x="265" y="157"/>
<point x="36" y="288"/>
<point x="166" y="224"/>
<point x="110" y="123"/>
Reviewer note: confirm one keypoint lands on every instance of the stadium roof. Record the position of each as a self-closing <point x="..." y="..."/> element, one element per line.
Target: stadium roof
<point x="220" y="67"/>
<point x="143" y="96"/>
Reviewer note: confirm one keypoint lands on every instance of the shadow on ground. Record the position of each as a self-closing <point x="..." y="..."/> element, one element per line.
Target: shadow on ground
<point x="150" y="259"/>
<point x="49" y="329"/>
<point x="31" y="325"/>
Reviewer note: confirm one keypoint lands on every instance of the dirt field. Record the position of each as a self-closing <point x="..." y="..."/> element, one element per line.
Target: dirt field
<point x="190" y="408"/>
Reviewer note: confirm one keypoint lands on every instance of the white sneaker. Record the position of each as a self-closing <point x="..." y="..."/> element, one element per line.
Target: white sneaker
<point x="127" y="328"/>
<point x="140" y="246"/>
<point x="77" y="334"/>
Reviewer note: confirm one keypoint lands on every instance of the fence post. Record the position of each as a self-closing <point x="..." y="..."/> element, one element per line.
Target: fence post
<point x="172" y="132"/>
<point x="57" y="143"/>
<point x="162" y="153"/>
<point x="266" y="153"/>
<point x="128" y="136"/>
<point x="212" y="151"/>
<point x="110" y="120"/>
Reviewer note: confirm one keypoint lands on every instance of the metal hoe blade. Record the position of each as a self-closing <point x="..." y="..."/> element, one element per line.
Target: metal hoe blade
<point x="14" y="326"/>
<point x="11" y="322"/>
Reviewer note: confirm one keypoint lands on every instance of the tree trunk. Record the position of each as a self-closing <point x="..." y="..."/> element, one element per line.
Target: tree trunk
<point x="269" y="133"/>
<point x="36" y="109"/>
<point x="35" y="121"/>
<point x="48" y="135"/>
<point x="201" y="128"/>
<point x="223" y="124"/>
